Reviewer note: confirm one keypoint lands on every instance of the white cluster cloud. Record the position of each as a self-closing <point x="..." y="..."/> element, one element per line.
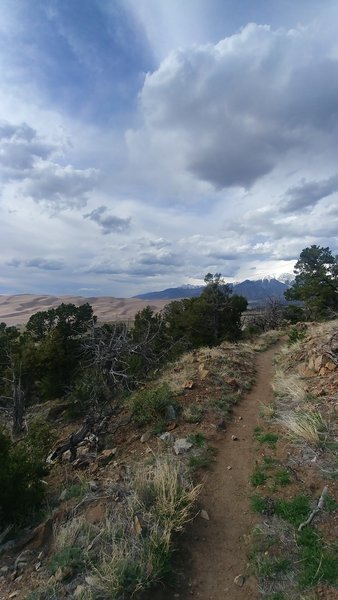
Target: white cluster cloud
<point x="234" y="111"/>
<point x="26" y="158"/>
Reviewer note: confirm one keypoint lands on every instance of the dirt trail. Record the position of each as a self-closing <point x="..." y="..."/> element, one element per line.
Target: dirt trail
<point x="214" y="552"/>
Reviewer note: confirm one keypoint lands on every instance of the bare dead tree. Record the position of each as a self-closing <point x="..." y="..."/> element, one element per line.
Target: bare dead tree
<point x="14" y="382"/>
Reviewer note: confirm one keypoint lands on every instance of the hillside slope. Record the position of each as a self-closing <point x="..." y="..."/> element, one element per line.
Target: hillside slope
<point x="16" y="310"/>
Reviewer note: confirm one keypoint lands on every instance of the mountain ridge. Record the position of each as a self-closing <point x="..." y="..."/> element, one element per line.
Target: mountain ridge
<point x="253" y="290"/>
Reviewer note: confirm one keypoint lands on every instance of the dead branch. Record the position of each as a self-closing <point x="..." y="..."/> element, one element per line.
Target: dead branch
<point x="315" y="510"/>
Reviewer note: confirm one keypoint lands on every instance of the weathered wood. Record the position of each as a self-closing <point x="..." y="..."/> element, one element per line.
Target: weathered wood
<point x="315" y="510"/>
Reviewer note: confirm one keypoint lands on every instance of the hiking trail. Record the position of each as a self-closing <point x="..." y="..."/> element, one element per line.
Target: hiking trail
<point x="213" y="552"/>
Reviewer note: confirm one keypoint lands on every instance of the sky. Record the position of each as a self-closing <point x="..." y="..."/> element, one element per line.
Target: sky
<point x="144" y="143"/>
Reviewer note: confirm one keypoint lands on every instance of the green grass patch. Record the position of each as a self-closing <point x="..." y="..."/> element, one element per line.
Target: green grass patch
<point x="282" y="477"/>
<point x="294" y="511"/>
<point x="330" y="503"/>
<point x="76" y="490"/>
<point x="258" y="477"/>
<point x="70" y="556"/>
<point x="268" y="438"/>
<point x="318" y="562"/>
<point x="197" y="439"/>
<point x="270" y="567"/>
<point x="258" y="504"/>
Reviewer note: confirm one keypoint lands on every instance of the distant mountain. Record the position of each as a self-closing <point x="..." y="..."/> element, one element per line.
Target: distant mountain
<point x="258" y="291"/>
<point x="184" y="291"/>
<point x="254" y="291"/>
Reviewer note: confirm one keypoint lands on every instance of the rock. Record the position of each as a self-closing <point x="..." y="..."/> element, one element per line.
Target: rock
<point x="79" y="591"/>
<point x="331" y="366"/>
<point x="62" y="573"/>
<point x="63" y="495"/>
<point x="170" y="413"/>
<point x="311" y="363"/>
<point x="318" y="363"/>
<point x="81" y="463"/>
<point x="137" y="527"/>
<point x="239" y="580"/>
<point x="13" y="594"/>
<point x="234" y="438"/>
<point x="232" y="382"/>
<point x="106" y="456"/>
<point x="145" y="437"/>
<point x="203" y="371"/>
<point x="93" y="486"/>
<point x="167" y="437"/>
<point x="188" y="385"/>
<point x="204" y="515"/>
<point x="229" y="468"/>
<point x="182" y="445"/>
<point x="22" y="560"/>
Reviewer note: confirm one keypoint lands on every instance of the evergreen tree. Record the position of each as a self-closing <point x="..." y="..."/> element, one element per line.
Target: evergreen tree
<point x="316" y="282"/>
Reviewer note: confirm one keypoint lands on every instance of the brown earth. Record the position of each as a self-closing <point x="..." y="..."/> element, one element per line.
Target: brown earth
<point x="213" y="552"/>
<point x="16" y="310"/>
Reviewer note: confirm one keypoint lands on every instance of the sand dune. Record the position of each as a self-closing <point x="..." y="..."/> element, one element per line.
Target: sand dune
<point x="16" y="310"/>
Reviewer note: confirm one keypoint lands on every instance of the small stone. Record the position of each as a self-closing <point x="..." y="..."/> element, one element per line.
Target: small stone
<point x="240" y="418"/>
<point x="38" y="565"/>
<point x="182" y="445"/>
<point x="170" y="413"/>
<point x="188" y="385"/>
<point x="91" y="581"/>
<point x="239" y="580"/>
<point x="13" y="594"/>
<point x="93" y="486"/>
<point x="204" y="515"/>
<point x="167" y="437"/>
<point x="63" y="495"/>
<point x="106" y="456"/>
<point x="62" y="573"/>
<point x="145" y="437"/>
<point x="229" y="467"/>
<point x="4" y="570"/>
<point x="234" y="438"/>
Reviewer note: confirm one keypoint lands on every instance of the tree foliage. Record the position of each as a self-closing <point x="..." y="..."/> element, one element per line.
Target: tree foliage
<point x="316" y="282"/>
<point x="208" y="319"/>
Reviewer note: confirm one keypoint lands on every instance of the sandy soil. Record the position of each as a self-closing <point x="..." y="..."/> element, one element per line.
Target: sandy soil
<point x="16" y="310"/>
<point x="214" y="552"/>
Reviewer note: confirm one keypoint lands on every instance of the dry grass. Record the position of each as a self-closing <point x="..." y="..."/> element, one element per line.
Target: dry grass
<point x="289" y="388"/>
<point x="67" y="534"/>
<point x="308" y="426"/>
<point x="136" y="544"/>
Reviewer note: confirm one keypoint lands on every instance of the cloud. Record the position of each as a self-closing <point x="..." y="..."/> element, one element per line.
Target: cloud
<point x="229" y="113"/>
<point x="37" y="263"/>
<point x="26" y="159"/>
<point x="308" y="194"/>
<point x="59" y="187"/>
<point x="20" y="148"/>
<point x="108" y="222"/>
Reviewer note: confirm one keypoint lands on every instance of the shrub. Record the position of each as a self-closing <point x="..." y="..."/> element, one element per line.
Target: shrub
<point x="149" y="405"/>
<point x="21" y="488"/>
<point x="296" y="335"/>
